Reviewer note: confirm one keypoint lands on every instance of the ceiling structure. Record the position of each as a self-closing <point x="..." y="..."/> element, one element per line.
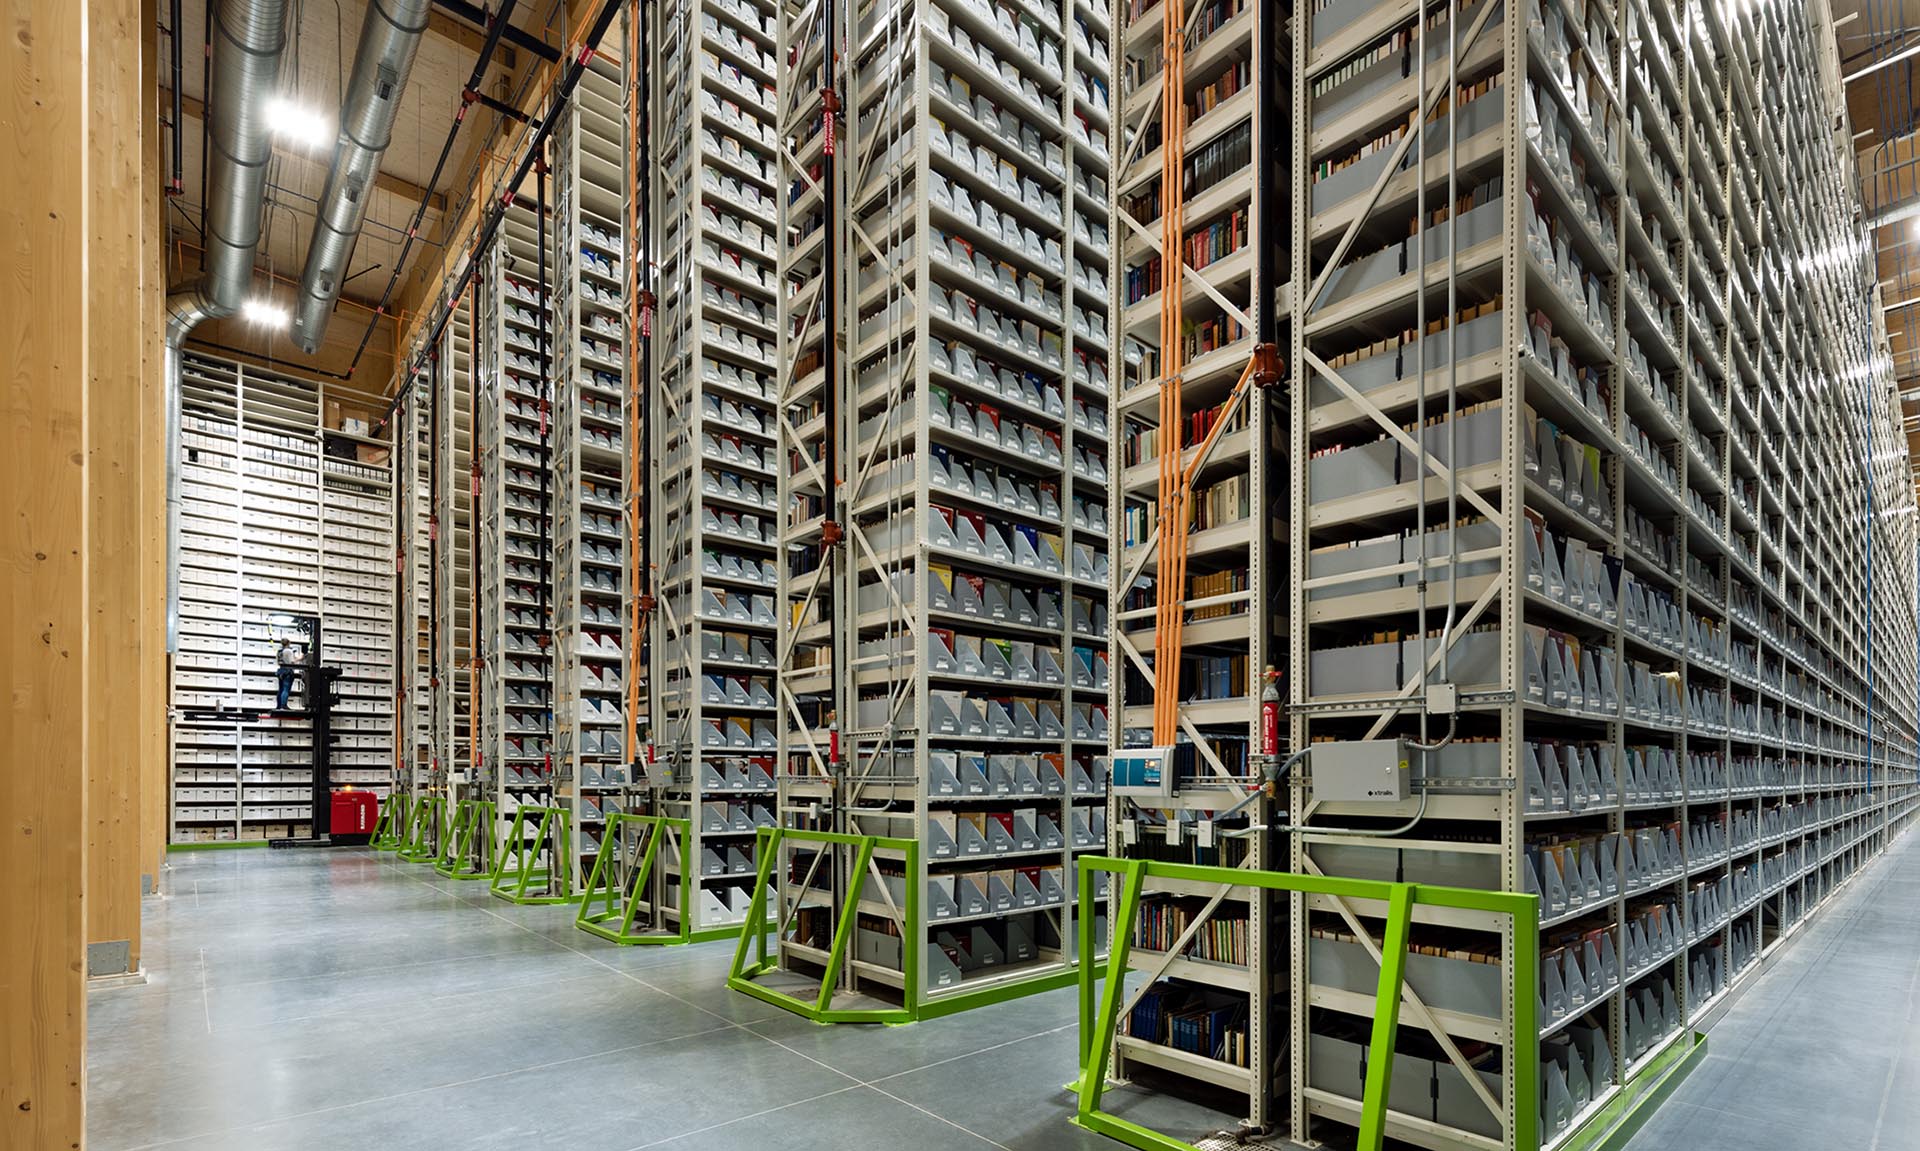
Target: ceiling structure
<point x="319" y="59"/>
<point x="1879" y="43"/>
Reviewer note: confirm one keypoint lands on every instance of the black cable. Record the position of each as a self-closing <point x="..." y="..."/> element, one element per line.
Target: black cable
<point x="640" y="253"/>
<point x="468" y="95"/>
<point x="173" y="39"/>
<point x="547" y="326"/>
<point x="490" y="226"/>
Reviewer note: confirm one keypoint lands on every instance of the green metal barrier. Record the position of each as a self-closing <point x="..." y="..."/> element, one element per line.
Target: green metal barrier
<point x="467" y="849"/>
<point x="742" y="975"/>
<point x="426" y="830"/>
<point x="390" y="828"/>
<point x="554" y="832"/>
<point x="1099" y="1024"/>
<point x="612" y="901"/>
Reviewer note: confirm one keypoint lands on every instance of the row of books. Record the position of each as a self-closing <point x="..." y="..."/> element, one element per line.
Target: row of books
<point x="1143" y="441"/>
<point x="1159" y="925"/>
<point x="1224" y="502"/>
<point x="1218" y="158"/>
<point x="1188" y="1019"/>
<point x="1225" y="86"/>
<point x="1217" y="677"/>
<point x="1438" y="943"/>
<point x="1209" y="584"/>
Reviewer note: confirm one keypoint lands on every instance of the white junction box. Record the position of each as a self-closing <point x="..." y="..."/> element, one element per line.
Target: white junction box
<point x="1361" y="770"/>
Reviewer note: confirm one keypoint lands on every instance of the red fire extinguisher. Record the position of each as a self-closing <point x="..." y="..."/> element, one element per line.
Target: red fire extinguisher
<point x="1270" y="715"/>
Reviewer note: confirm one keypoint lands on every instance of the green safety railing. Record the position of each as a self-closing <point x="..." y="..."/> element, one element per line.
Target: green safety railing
<point x="426" y="830"/>
<point x="820" y="1009"/>
<point x="466" y="850"/>
<point x="1100" y="1011"/>
<point x="554" y="833"/>
<point x="390" y="828"/>
<point x="611" y="901"/>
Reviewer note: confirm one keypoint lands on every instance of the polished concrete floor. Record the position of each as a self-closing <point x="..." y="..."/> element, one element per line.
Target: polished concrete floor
<point x="1822" y="1050"/>
<point x="318" y="1000"/>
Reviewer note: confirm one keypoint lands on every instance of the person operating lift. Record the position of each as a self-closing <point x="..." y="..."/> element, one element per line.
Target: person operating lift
<point x="291" y="658"/>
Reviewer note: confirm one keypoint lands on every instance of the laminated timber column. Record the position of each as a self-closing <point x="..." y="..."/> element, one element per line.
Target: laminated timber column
<point x="114" y="431"/>
<point x="152" y="698"/>
<point x="43" y="475"/>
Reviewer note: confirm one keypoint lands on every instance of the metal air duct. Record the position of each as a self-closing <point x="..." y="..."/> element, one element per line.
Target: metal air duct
<point x="249" y="37"/>
<point x="389" y="37"/>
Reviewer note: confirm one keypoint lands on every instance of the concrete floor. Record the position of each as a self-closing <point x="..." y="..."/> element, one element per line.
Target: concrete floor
<point x="338" y="999"/>
<point x="307" y="999"/>
<point x="1821" y="1050"/>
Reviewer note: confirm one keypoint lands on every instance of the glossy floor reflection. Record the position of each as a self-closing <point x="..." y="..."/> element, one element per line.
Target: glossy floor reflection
<point x="1821" y="1049"/>
<point x="336" y="999"/>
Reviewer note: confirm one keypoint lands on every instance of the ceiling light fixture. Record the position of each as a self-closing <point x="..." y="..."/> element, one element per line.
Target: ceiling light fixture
<point x="296" y="123"/>
<point x="266" y="314"/>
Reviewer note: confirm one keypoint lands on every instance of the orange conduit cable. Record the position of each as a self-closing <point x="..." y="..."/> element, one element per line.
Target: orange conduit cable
<point x="475" y="690"/>
<point x="1172" y="498"/>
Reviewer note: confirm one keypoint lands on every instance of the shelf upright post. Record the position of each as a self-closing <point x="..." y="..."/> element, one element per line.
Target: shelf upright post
<point x="452" y="504"/>
<point x="933" y="188"/>
<point x="712" y="414"/>
<point x="590" y="654"/>
<point x="512" y="344"/>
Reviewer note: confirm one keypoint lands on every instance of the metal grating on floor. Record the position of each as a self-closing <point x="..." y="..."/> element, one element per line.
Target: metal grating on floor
<point x="1241" y="1141"/>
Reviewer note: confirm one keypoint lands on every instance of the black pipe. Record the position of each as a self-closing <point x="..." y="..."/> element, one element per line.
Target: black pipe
<point x="489" y="227"/>
<point x="833" y="527"/>
<point x="173" y="36"/>
<point x="476" y="650"/>
<point x="206" y="120"/>
<point x="271" y="361"/>
<point x="548" y="324"/>
<point x="433" y="557"/>
<point x="640" y="252"/>
<point x="479" y="17"/>
<point x="502" y="107"/>
<point x="468" y="95"/>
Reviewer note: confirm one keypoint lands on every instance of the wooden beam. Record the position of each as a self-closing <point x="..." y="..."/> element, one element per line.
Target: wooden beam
<point x="155" y="776"/>
<point x="113" y="492"/>
<point x="418" y="291"/>
<point x="472" y="39"/>
<point x="43" y="499"/>
<point x="447" y="28"/>
<point x="383" y="179"/>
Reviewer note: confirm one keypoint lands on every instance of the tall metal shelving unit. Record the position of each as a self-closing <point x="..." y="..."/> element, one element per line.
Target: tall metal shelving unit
<point x="358" y="613"/>
<point x="271" y="530"/>
<point x="941" y="378"/>
<point x="1197" y="605"/>
<point x="413" y="582"/>
<point x="455" y="484"/>
<point x="588" y="459"/>
<point x="512" y="429"/>
<point x="1575" y="506"/>
<point x="715" y="429"/>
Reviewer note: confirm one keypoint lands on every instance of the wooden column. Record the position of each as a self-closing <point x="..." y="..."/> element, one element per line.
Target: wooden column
<point x="115" y="642"/>
<point x="156" y="774"/>
<point x="43" y="476"/>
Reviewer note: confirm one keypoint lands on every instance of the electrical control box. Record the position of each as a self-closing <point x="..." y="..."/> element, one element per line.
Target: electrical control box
<point x="1360" y="771"/>
<point x="1144" y="772"/>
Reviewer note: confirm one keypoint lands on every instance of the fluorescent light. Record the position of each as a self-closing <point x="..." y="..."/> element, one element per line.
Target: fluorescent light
<point x="297" y="124"/>
<point x="265" y="313"/>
